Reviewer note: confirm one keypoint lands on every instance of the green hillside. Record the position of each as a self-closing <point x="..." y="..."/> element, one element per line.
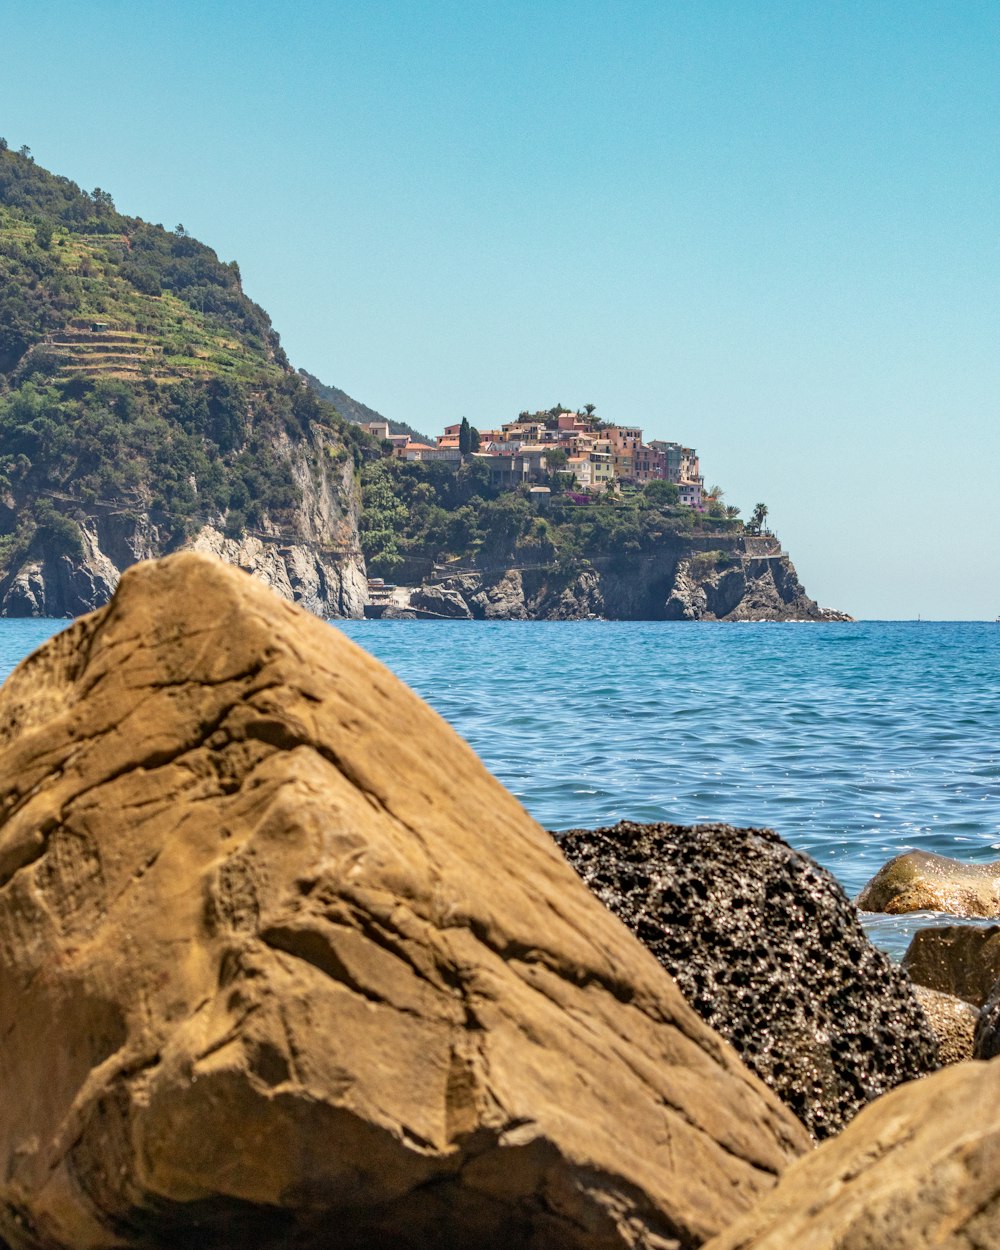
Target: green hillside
<point x="136" y="375"/>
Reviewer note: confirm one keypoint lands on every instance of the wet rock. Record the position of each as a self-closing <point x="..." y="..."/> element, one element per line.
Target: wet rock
<point x="282" y="965"/>
<point x="953" y="1021"/>
<point x="768" y="950"/>
<point x="392" y="612"/>
<point x="917" y="1170"/>
<point x="959" y="959"/>
<point x="923" y="881"/>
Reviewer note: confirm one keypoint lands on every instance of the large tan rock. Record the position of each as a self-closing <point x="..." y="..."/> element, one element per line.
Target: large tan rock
<point x="280" y="963"/>
<point x="918" y="1168"/>
<point x="923" y="881"/>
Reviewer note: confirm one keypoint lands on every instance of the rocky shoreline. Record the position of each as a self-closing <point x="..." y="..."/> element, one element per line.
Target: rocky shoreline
<point x="282" y="965"/>
<point x="745" y="579"/>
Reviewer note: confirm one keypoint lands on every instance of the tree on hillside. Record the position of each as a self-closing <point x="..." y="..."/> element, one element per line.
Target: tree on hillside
<point x="590" y="409"/>
<point x="758" y="518"/>
<point x="661" y="493"/>
<point x="732" y="512"/>
<point x="465" y="437"/>
<point x="103" y="201"/>
<point x="475" y="442"/>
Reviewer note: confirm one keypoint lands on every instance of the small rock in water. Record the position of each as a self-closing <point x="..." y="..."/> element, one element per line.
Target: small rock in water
<point x="768" y="950"/>
<point x="923" y="881"/>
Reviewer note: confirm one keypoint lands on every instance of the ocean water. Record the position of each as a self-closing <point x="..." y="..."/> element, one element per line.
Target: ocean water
<point x="854" y="741"/>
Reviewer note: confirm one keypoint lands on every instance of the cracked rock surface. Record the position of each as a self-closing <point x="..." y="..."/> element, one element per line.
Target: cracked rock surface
<point x="282" y="965"/>
<point x="768" y="950"/>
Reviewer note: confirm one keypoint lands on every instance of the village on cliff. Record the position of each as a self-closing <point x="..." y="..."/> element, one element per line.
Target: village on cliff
<point x="595" y="456"/>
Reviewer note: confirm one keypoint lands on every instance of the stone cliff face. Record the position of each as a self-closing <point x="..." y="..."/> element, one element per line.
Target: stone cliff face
<point x="765" y="588"/>
<point x="741" y="579"/>
<point x="312" y="558"/>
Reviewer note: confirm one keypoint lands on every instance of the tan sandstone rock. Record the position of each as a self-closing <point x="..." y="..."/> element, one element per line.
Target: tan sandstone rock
<point x="281" y="963"/>
<point x="918" y="1168"/>
<point x="953" y="1022"/>
<point x="923" y="881"/>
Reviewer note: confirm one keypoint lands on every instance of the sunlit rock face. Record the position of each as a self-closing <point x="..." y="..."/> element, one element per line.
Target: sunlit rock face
<point x="923" y="881"/>
<point x="282" y="964"/>
<point x="915" y="1171"/>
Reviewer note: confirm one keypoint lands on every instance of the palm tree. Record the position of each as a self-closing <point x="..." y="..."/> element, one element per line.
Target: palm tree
<point x="732" y="512"/>
<point x="759" y="517"/>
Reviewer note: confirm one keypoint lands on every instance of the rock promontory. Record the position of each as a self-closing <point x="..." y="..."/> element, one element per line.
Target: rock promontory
<point x="750" y="580"/>
<point x="282" y="964"/>
<point x="146" y="407"/>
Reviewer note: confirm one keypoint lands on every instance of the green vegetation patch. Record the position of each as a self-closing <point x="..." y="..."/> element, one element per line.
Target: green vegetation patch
<point x="137" y="378"/>
<point x="417" y="513"/>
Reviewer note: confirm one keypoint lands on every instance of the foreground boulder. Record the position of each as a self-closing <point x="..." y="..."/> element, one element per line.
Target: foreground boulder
<point x="281" y="964"/>
<point x="916" y="1170"/>
<point x="768" y="950"/>
<point x="923" y="881"/>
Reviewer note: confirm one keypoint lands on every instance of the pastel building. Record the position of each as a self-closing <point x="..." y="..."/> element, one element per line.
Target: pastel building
<point x="625" y="443"/>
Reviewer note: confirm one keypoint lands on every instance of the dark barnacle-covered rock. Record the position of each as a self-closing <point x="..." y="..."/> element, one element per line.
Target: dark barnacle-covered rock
<point x="768" y="949"/>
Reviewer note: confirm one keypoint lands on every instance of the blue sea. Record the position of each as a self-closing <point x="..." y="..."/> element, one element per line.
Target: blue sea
<point x="853" y="741"/>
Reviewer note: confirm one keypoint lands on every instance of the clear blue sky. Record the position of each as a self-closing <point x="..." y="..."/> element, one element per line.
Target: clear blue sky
<point x="769" y="230"/>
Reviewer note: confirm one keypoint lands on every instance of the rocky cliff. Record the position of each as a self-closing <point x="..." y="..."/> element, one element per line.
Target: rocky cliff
<point x="146" y="407"/>
<point x="309" y="555"/>
<point x="738" y="579"/>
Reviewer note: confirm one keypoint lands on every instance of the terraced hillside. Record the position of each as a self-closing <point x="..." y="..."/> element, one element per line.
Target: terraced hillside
<point x="146" y="404"/>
